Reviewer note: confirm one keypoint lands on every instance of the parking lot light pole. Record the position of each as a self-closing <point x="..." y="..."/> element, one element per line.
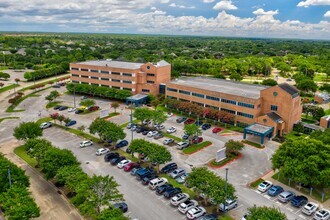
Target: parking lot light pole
<point x="9" y="177"/>
<point x="226" y="189"/>
<point x="131" y="119"/>
<point x="74" y="97"/>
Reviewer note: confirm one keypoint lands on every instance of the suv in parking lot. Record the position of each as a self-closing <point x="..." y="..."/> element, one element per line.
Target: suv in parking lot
<point x="178" y="172"/>
<point x="169" y="168"/>
<point x="110" y="156"/>
<point x="275" y="190"/>
<point x="185" y="206"/>
<point x="161" y="189"/>
<point x="286" y="196"/>
<point x="141" y="173"/>
<point x="264" y="186"/>
<point x="229" y="204"/>
<point x="45" y="125"/>
<point x="153" y="184"/>
<point x="322" y="214"/>
<point x="121" y="143"/>
<point x="299" y="201"/>
<point x="179" y="198"/>
<point x="310" y="208"/>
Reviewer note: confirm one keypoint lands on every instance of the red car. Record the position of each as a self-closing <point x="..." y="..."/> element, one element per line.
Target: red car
<point x="197" y="140"/>
<point x="130" y="166"/>
<point x="189" y="121"/>
<point x="217" y="129"/>
<point x="93" y="108"/>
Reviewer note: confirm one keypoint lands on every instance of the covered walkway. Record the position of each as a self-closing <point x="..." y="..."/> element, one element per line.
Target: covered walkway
<point x="259" y="130"/>
<point x="137" y="99"/>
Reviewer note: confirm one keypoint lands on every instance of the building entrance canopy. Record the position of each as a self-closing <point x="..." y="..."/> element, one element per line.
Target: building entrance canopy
<point x="259" y="130"/>
<point x="137" y="99"/>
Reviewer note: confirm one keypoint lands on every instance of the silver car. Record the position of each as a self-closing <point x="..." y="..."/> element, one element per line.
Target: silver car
<point x="182" y="145"/>
<point x="46" y="125"/>
<point x="286" y="196"/>
<point x="178" y="172"/>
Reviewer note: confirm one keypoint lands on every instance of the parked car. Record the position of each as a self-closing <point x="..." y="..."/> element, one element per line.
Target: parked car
<point x="158" y="135"/>
<point x="178" y="172"/>
<point x="152" y="133"/>
<point x="121" y="144"/>
<point x="145" y="132"/>
<point x="45" y="125"/>
<point x="72" y="109"/>
<point x="181" y="179"/>
<point x="310" y="208"/>
<point x="189" y="121"/>
<point x="57" y="107"/>
<point x="264" y="186"/>
<point x="102" y="151"/>
<point x="146" y="122"/>
<point x="62" y="108"/>
<point x="169" y="168"/>
<point x="161" y="189"/>
<point x="198" y="123"/>
<point x="146" y="180"/>
<point x="299" y="201"/>
<point x="209" y="217"/>
<point x="83" y="107"/>
<point x="135" y="170"/>
<point x="153" y="184"/>
<point x="206" y="126"/>
<point x="93" y="108"/>
<point x="187" y="205"/>
<point x="196" y="212"/>
<point x="171" y="130"/>
<point x="229" y="204"/>
<point x="56" y="86"/>
<point x="286" y="196"/>
<point x="140" y="129"/>
<point x="217" y="129"/>
<point x="197" y="140"/>
<point x="134" y="127"/>
<point x="179" y="198"/>
<point x="123" y="163"/>
<point x="275" y="190"/>
<point x="141" y="173"/>
<point x="110" y="156"/>
<point x="185" y="137"/>
<point x="78" y="111"/>
<point x="322" y="214"/>
<point x="182" y="145"/>
<point x="159" y="127"/>
<point x="85" y="143"/>
<point x="130" y="166"/>
<point x="122" y="206"/>
<point x="70" y="123"/>
<point x="181" y="119"/>
<point x="168" y="141"/>
<point x="169" y="193"/>
<point x="117" y="160"/>
<point x="129" y="125"/>
<point x="83" y="97"/>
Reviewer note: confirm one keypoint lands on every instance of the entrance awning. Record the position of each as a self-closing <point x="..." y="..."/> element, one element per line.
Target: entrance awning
<point x="259" y="130"/>
<point x="137" y="99"/>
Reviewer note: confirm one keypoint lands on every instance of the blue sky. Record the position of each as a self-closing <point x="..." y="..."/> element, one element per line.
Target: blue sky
<point x="307" y="19"/>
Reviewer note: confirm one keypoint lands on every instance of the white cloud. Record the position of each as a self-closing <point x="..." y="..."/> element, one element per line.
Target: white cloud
<point x="261" y="11"/>
<point x="225" y="5"/>
<point x="181" y="6"/>
<point x="208" y="1"/>
<point x="327" y="14"/>
<point x="308" y="3"/>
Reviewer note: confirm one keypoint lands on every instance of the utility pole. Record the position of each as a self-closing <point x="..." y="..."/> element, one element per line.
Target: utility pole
<point x="131" y="120"/>
<point x="74" y="97"/>
<point x="9" y="177"/>
<point x="226" y="188"/>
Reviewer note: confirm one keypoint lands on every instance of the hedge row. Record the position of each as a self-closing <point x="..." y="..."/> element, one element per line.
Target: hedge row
<point x="44" y="73"/>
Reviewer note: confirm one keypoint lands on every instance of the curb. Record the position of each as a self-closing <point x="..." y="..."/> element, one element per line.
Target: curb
<point x="240" y="155"/>
<point x="197" y="150"/>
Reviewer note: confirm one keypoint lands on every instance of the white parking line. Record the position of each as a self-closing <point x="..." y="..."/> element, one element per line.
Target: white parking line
<point x="291" y="210"/>
<point x="303" y="217"/>
<point x="297" y="211"/>
<point x="257" y="191"/>
<point x="267" y="196"/>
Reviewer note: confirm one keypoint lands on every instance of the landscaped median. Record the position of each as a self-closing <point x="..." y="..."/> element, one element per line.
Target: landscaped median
<point x="2" y="119"/>
<point x="224" y="162"/>
<point x="6" y="88"/>
<point x="196" y="147"/>
<point x="79" y="133"/>
<point x="253" y="144"/>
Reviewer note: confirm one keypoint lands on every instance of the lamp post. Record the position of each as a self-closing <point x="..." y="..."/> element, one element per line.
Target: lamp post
<point x="226" y="188"/>
<point x="74" y="97"/>
<point x="131" y="119"/>
<point x="9" y="176"/>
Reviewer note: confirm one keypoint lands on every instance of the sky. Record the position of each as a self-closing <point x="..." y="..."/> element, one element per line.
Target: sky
<point x="304" y="19"/>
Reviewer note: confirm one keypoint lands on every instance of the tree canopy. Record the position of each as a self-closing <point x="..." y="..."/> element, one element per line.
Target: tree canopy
<point x="265" y="213"/>
<point x="107" y="130"/>
<point x="27" y="130"/>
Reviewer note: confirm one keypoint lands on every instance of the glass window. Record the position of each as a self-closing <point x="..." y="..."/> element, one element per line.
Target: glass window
<point x="127" y="81"/>
<point x="145" y="90"/>
<point x="212" y="98"/>
<point x="105" y="79"/>
<point x="84" y="76"/>
<point x="105" y="86"/>
<point x="127" y="74"/>
<point x="94" y="77"/>
<point x="150" y="74"/>
<point x="198" y="95"/>
<point x="150" y="82"/>
<point x="94" y="71"/>
<point x="228" y="101"/>
<point x="115" y="73"/>
<point x="86" y="70"/>
<point x="104" y="72"/>
<point x="115" y="80"/>
<point x="75" y="81"/>
<point x="76" y="75"/>
<point x="244" y="114"/>
<point x="273" y="108"/>
<point x="129" y="89"/>
<point x="246" y="105"/>
<point x="184" y="92"/>
<point x="228" y="110"/>
<point x="73" y="68"/>
<point x="171" y="89"/>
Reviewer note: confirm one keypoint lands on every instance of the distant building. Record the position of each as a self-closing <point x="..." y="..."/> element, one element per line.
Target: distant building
<point x="322" y="98"/>
<point x="278" y="107"/>
<point x="136" y="77"/>
<point x="325" y="121"/>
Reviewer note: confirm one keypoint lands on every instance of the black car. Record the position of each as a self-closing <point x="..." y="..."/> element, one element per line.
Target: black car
<point x="115" y="161"/>
<point x="140" y="129"/>
<point x="147" y="179"/>
<point x="209" y="217"/>
<point x="198" y="123"/>
<point x="143" y="173"/>
<point x="57" y="107"/>
<point x="181" y="119"/>
<point x="206" y="126"/>
<point x="161" y="189"/>
<point x="56" y="86"/>
<point x="78" y="111"/>
<point x="128" y="150"/>
<point x="62" y="108"/>
<point x="172" y="192"/>
<point x="121" y="143"/>
<point x="110" y="156"/>
<point x="299" y="201"/>
<point x="122" y="206"/>
<point x="145" y="132"/>
<point x="169" y="168"/>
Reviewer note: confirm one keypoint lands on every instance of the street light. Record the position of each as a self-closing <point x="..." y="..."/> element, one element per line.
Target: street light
<point x="9" y="176"/>
<point x="131" y="106"/>
<point x="74" y="97"/>
<point x="226" y="189"/>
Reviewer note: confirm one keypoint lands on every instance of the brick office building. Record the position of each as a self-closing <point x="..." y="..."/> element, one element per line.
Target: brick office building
<point x="135" y="77"/>
<point x="278" y="107"/>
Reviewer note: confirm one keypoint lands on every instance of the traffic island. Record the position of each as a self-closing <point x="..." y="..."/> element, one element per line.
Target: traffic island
<point x="196" y="147"/>
<point x="224" y="162"/>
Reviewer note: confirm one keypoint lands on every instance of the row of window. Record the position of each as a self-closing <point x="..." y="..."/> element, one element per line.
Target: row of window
<point x="105" y="79"/>
<point x="102" y="71"/>
<point x="113" y="87"/>
<point x="150" y="82"/>
<point x="198" y="95"/>
<point x="246" y="105"/>
<point x="228" y="101"/>
<point x="184" y="92"/>
<point x="245" y="115"/>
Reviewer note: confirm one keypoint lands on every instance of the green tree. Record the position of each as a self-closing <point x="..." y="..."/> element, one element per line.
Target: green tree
<point x="143" y="114"/>
<point x="269" y="82"/>
<point x="299" y="128"/>
<point x="219" y="76"/>
<point x="87" y="102"/>
<point x="307" y="85"/>
<point x="4" y="76"/>
<point x="111" y="213"/>
<point x="323" y="136"/>
<point x="265" y="213"/>
<point x="81" y="128"/>
<point x="232" y="147"/>
<point x="54" y="159"/>
<point x="107" y="130"/>
<point x="236" y="77"/>
<point x="54" y="94"/>
<point x="114" y="105"/>
<point x="37" y="147"/>
<point x="27" y="130"/>
<point x="158" y="117"/>
<point x="71" y="176"/>
<point x="192" y="129"/>
<point x="158" y="154"/>
<point x="17" y="203"/>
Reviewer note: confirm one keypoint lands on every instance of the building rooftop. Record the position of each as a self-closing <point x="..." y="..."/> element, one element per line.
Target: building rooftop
<point x="326" y="117"/>
<point x="120" y="64"/>
<point x="289" y="89"/>
<point x="137" y="97"/>
<point x="275" y="117"/>
<point x="223" y="86"/>
<point x="259" y="128"/>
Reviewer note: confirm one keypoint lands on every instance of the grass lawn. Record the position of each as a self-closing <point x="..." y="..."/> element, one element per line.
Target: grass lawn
<point x="172" y="136"/>
<point x="3" y="67"/>
<point x="175" y="184"/>
<point x="112" y="114"/>
<point x="256" y="183"/>
<point x="196" y="147"/>
<point x="316" y="193"/>
<point x="125" y="124"/>
<point x="295" y="135"/>
<point x="52" y="104"/>
<point x="79" y="133"/>
<point x="20" y="151"/>
<point x="253" y="144"/>
<point x="320" y="77"/>
<point x="6" y="88"/>
<point x="42" y="120"/>
<point x="225" y="217"/>
<point x="327" y="112"/>
<point x="2" y="119"/>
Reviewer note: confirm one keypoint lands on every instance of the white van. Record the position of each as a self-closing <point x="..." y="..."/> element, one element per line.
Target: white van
<point x="153" y="184"/>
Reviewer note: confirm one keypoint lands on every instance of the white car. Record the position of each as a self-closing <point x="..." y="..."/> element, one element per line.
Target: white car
<point x="152" y="133"/>
<point x="196" y="212"/>
<point x="102" y="151"/>
<point x="46" y="125"/>
<point x="322" y="214"/>
<point x="171" y="130"/>
<point x="168" y="141"/>
<point x="230" y="204"/>
<point x="185" y="206"/>
<point x="154" y="183"/>
<point x="72" y="109"/>
<point x="86" y="143"/>
<point x="179" y="198"/>
<point x="310" y="208"/>
<point x="264" y="186"/>
<point x="159" y="127"/>
<point x="123" y="163"/>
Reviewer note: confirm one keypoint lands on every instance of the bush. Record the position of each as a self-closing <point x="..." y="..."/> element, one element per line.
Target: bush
<point x="43" y="73"/>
